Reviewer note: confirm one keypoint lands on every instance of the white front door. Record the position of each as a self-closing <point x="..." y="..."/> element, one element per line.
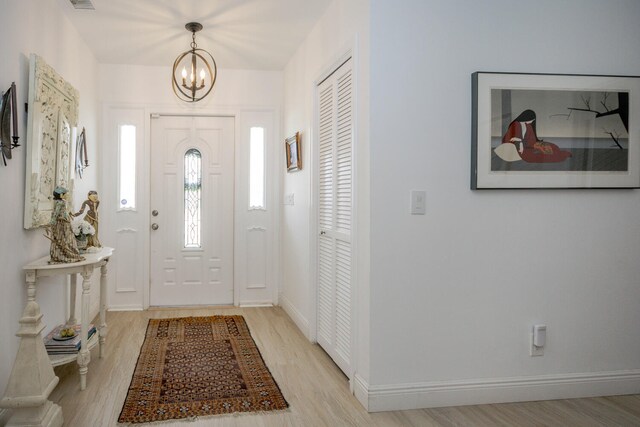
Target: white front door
<point x="192" y="189"/>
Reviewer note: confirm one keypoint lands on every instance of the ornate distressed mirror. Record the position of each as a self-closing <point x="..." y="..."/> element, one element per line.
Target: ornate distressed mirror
<point x="53" y="113"/>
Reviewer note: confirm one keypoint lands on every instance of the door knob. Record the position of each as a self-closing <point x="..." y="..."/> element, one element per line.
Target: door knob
<point x="154" y="212"/>
<point x="154" y="226"/>
<point x="322" y="233"/>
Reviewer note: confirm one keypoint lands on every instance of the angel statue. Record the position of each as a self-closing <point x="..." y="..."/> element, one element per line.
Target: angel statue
<point x="91" y="217"/>
<point x="63" y="242"/>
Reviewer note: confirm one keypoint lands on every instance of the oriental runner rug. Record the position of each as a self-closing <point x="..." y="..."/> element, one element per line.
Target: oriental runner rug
<point x="195" y="366"/>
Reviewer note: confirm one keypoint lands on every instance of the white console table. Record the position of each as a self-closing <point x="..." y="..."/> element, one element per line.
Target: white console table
<point x="32" y="378"/>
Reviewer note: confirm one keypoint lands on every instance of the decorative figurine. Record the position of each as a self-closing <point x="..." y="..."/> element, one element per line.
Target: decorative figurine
<point x="63" y="241"/>
<point x="91" y="217"/>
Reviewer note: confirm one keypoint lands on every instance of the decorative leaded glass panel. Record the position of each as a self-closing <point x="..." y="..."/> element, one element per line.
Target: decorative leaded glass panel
<point x="192" y="198"/>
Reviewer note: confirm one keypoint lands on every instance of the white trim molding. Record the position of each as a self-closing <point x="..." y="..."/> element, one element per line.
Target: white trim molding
<point x="495" y="390"/>
<point x="126" y="307"/>
<point x="255" y="304"/>
<point x="294" y="314"/>
<point x="361" y="390"/>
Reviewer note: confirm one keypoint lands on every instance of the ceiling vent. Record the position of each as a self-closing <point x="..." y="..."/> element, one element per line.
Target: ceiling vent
<point x="82" y="4"/>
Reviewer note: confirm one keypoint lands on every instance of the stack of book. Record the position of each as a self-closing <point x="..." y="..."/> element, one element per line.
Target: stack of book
<point x="55" y="344"/>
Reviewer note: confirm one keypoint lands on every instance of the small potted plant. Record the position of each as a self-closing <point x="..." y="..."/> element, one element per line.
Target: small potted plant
<point x="82" y="229"/>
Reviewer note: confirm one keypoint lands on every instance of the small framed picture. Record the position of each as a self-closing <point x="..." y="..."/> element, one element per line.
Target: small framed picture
<point x="293" y="153"/>
<point x="555" y="131"/>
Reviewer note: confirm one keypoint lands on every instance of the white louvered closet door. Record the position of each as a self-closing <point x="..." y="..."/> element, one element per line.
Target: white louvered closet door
<point x="334" y="299"/>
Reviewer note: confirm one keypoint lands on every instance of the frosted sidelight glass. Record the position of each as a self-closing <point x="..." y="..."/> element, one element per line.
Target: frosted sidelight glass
<point x="256" y="168"/>
<point x="127" y="167"/>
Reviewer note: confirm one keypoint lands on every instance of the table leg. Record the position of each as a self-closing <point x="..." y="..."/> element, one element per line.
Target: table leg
<point x="84" y="357"/>
<point x="103" y="307"/>
<point x="32" y="378"/>
<point x="72" y="300"/>
<point x="31" y="287"/>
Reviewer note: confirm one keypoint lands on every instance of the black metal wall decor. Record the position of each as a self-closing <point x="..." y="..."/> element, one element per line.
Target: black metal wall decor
<point x="82" y="161"/>
<point x="8" y="122"/>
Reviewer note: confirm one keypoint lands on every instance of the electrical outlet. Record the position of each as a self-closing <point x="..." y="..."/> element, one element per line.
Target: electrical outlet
<point x="537" y="340"/>
<point x="288" y="199"/>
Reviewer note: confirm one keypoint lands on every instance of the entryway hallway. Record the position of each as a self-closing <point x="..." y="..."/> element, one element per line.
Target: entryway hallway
<point x="317" y="391"/>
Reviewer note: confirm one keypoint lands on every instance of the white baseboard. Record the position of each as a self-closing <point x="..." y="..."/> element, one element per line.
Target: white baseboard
<point x="361" y="391"/>
<point x="132" y="307"/>
<point x="255" y="304"/>
<point x="301" y="322"/>
<point x="495" y="390"/>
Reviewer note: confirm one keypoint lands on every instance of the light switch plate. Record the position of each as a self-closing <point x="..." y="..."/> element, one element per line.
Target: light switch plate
<point x="418" y="202"/>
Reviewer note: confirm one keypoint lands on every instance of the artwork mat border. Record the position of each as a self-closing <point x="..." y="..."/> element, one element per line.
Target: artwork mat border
<point x="481" y="175"/>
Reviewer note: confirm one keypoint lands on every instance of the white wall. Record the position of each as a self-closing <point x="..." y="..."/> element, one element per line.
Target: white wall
<point x="343" y="27"/>
<point x="150" y="85"/>
<point x="454" y="293"/>
<point x="36" y="26"/>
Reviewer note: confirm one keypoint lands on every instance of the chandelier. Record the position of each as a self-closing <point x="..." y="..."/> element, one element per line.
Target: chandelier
<point x="194" y="71"/>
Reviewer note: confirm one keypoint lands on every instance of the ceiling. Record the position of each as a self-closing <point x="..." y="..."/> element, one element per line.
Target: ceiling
<point x="246" y="34"/>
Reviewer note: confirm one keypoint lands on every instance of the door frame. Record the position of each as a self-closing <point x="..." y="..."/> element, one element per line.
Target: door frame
<point x="150" y="114"/>
<point x="348" y="52"/>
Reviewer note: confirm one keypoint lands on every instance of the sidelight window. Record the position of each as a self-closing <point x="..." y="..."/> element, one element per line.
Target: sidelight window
<point x="256" y="168"/>
<point x="127" y="166"/>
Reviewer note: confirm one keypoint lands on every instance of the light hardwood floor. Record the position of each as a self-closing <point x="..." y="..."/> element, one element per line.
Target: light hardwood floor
<point x="317" y="391"/>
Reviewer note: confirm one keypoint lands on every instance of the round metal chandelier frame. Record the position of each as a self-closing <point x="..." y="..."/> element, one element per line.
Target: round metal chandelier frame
<point x="189" y="93"/>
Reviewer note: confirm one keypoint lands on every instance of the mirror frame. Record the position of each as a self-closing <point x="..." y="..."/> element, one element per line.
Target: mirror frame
<point x="52" y="119"/>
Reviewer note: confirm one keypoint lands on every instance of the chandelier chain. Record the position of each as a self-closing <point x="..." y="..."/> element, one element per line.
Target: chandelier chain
<point x="193" y="43"/>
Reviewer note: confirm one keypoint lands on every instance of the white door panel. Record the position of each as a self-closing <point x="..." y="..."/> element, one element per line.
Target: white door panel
<point x="125" y="226"/>
<point x="192" y="182"/>
<point x="335" y="195"/>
